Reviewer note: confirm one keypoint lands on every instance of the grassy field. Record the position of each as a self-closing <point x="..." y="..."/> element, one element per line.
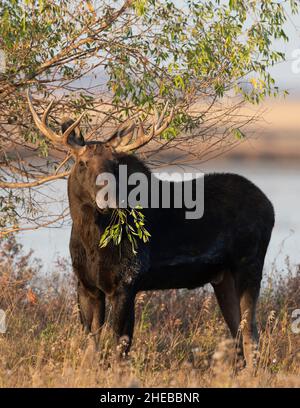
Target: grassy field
<point x="180" y="337"/>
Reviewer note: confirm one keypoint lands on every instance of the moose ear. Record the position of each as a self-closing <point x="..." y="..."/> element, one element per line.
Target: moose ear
<point x="75" y="138"/>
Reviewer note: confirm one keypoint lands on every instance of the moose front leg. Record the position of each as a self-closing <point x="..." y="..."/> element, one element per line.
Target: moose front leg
<point x="92" y="311"/>
<point x="123" y="319"/>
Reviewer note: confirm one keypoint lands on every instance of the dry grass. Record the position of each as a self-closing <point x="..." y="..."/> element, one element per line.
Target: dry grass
<point x="180" y="337"/>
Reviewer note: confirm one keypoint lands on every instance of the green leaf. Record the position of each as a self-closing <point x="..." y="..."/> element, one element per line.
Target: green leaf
<point x="238" y="134"/>
<point x="114" y="231"/>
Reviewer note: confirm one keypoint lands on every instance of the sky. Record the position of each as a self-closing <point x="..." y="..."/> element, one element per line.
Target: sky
<point x="287" y="74"/>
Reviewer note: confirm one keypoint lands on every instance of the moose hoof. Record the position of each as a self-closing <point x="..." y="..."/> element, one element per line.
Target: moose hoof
<point x="123" y="346"/>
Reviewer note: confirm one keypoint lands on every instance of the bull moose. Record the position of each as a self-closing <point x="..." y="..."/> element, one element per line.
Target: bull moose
<point x="225" y="247"/>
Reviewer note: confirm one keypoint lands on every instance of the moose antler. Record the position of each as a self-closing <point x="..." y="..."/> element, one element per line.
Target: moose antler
<point x="125" y="138"/>
<point x="43" y="126"/>
<point x="160" y="123"/>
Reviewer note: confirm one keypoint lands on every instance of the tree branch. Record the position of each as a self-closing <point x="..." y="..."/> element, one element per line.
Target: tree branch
<point x="36" y="183"/>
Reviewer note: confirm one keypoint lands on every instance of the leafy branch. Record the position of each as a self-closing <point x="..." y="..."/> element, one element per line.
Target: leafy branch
<point x="132" y="222"/>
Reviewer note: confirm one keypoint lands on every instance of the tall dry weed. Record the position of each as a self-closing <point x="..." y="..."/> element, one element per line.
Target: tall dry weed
<point x="180" y="337"/>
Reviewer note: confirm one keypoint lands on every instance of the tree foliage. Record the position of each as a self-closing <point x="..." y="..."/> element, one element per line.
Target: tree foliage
<point x="117" y="59"/>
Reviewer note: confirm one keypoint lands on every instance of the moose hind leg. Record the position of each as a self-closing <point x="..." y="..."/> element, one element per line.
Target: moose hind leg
<point x="248" y="285"/>
<point x="228" y="300"/>
<point x="123" y="320"/>
<point x="92" y="311"/>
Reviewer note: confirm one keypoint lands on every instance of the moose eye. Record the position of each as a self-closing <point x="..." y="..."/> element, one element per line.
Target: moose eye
<point x="82" y="165"/>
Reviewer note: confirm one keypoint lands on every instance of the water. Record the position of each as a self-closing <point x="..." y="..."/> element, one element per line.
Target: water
<point x="279" y="180"/>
